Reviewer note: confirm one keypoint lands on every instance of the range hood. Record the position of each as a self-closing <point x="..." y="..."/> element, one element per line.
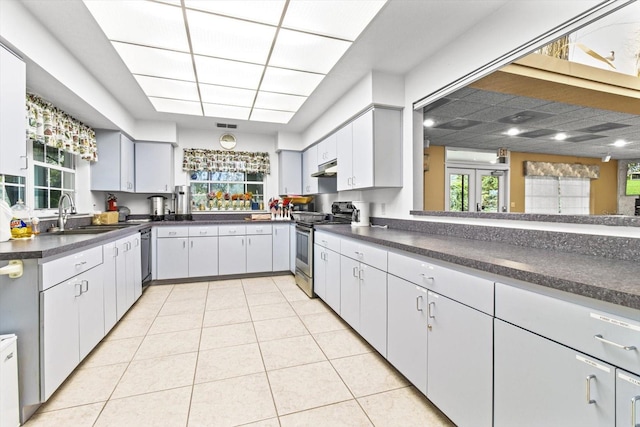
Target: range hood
<point x="327" y="170"/>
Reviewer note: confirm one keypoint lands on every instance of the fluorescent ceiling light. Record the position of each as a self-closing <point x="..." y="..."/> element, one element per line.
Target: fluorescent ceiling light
<point x="229" y="38"/>
<point x="268" y="12"/>
<point x="168" y="88"/>
<point x="241" y="59"/>
<point x="278" y="101"/>
<point x="144" y="23"/>
<point x="228" y="111"/>
<point x="156" y="62"/>
<point x="227" y="95"/>
<point x="620" y="143"/>
<point x="513" y="131"/>
<point x="176" y="106"/>
<point x="307" y="52"/>
<point x="428" y="123"/>
<point x="341" y="19"/>
<point x="290" y="81"/>
<point x="228" y="73"/>
<point x="272" y="116"/>
<point x="560" y="136"/>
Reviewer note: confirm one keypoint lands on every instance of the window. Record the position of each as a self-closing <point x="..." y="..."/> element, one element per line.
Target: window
<point x="208" y="190"/>
<point x="12" y="189"/>
<point x="554" y="195"/>
<point x="54" y="172"/>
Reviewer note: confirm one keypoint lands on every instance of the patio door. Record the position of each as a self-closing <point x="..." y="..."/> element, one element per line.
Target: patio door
<point x="475" y="190"/>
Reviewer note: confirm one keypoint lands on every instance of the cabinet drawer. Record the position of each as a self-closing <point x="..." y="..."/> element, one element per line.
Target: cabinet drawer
<point x="595" y="332"/>
<point x="470" y="290"/>
<point x="258" y="229"/>
<point x="61" y="269"/>
<point x="203" y="231"/>
<point x="364" y="253"/>
<point x="173" y="232"/>
<point x="327" y="240"/>
<point x="232" y="230"/>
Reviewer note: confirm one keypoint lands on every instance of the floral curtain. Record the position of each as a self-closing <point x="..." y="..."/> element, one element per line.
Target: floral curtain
<point x="197" y="159"/>
<point x="566" y="170"/>
<point x="50" y="126"/>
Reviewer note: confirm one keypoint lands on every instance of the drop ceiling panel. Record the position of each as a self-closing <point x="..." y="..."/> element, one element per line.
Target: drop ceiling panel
<point x="268" y="12"/>
<point x="176" y="106"/>
<point x="168" y="88"/>
<point x="487" y="97"/>
<point x="306" y="52"/>
<point x="580" y="125"/>
<point x="523" y="103"/>
<point x="278" y="101"/>
<point x="270" y="116"/>
<point x="491" y="114"/>
<point x="232" y="112"/>
<point x="229" y="38"/>
<point x="214" y="94"/>
<point x="460" y="108"/>
<point x="290" y="81"/>
<point x="228" y="73"/>
<point x="156" y="62"/>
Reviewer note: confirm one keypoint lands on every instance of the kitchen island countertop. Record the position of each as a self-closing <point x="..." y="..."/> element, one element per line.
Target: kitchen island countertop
<point x="604" y="279"/>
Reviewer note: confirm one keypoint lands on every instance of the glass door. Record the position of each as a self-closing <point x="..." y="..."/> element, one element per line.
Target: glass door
<point x="475" y="190"/>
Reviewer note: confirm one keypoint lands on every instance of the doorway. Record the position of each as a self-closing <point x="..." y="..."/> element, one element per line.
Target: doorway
<point x="475" y="190"/>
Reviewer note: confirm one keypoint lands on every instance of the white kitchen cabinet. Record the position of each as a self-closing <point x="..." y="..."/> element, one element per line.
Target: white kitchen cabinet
<point x="369" y="151"/>
<point x="154" y="167"/>
<point x="327" y="149"/>
<point x="627" y="399"/>
<point x="539" y="382"/>
<point x="460" y="351"/>
<point x="110" y="287"/>
<point x="115" y="169"/>
<point x="407" y="330"/>
<point x="292" y="248"/>
<point x="72" y="321"/>
<point x="172" y="257"/>
<point x="203" y="256"/>
<point x="128" y="272"/>
<point x="290" y="172"/>
<point x="187" y="252"/>
<point x="280" y="250"/>
<point x="13" y="140"/>
<point x="232" y="255"/>
<point x="350" y="291"/>
<point x="311" y="185"/>
<point x="259" y="253"/>
<point x="326" y="276"/>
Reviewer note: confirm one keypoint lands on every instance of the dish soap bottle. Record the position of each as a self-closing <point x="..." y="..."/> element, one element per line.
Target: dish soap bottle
<point x="21" y="221"/>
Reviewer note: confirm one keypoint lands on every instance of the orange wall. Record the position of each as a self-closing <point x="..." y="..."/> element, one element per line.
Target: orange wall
<point x="604" y="190"/>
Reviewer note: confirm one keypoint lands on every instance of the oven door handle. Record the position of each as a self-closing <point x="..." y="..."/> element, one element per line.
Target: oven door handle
<point x="303" y="229"/>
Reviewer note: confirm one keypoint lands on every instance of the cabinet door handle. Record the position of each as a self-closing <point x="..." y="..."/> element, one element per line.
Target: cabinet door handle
<point x="615" y="344"/>
<point x="116" y="252"/>
<point x="249" y="238"/>
<point x="242" y="240"/>
<point x="431" y="306"/>
<point x="137" y="242"/>
<point x="418" y="301"/>
<point x="166" y="187"/>
<point x="590" y="401"/>
<point x="349" y="182"/>
<point x="192" y="244"/>
<point x="184" y="245"/>
<point x="78" y="290"/>
<point x="634" y="403"/>
<point x="353" y="180"/>
<point x="85" y="286"/>
<point x="361" y="274"/>
<point x="355" y="271"/>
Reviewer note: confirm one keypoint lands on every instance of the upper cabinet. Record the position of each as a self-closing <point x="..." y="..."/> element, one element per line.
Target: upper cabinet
<point x="311" y="185"/>
<point x="154" y="167"/>
<point x="327" y="149"/>
<point x="370" y="151"/>
<point x="115" y="169"/>
<point x="13" y="141"/>
<point x="290" y="172"/>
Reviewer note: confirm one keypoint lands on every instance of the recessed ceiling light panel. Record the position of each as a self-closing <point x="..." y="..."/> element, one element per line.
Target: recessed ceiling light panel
<point x="513" y="131"/>
<point x="168" y="88"/>
<point x="144" y="23"/>
<point x="268" y="12"/>
<point x="341" y="19"/>
<point x="227" y="95"/>
<point x="603" y="127"/>
<point x="524" y="117"/>
<point x="582" y="138"/>
<point x="458" y="124"/>
<point x="306" y="52"/>
<point x="258" y="115"/>
<point x="290" y="81"/>
<point x="228" y="111"/>
<point x="620" y="143"/>
<point x="156" y="62"/>
<point x="229" y="38"/>
<point x="228" y="73"/>
<point x="560" y="136"/>
<point x="278" y="101"/>
<point x="429" y="123"/>
<point x="538" y="133"/>
<point x="176" y="106"/>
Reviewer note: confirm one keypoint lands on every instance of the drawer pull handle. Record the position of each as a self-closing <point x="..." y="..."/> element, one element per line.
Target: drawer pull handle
<point x="84" y="286"/>
<point x="615" y="344"/>
<point x="425" y="277"/>
<point x="324" y="242"/>
<point x="355" y="271"/>
<point x="172" y="233"/>
<point x="634" y="402"/>
<point x="590" y="401"/>
<point x="80" y="264"/>
<point x="418" y="301"/>
<point x="431" y="307"/>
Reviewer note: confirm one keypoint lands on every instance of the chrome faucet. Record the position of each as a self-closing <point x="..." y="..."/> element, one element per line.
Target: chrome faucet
<point x="62" y="213"/>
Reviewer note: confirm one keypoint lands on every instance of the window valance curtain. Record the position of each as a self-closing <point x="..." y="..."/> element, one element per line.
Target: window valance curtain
<point x="566" y="170"/>
<point x="197" y="159"/>
<point x="50" y="126"/>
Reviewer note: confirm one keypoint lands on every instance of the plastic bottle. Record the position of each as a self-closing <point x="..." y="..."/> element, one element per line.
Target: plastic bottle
<point x="21" y="221"/>
<point x="5" y="221"/>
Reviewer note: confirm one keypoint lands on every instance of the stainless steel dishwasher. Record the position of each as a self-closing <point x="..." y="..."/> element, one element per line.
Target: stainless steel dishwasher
<point x="145" y="253"/>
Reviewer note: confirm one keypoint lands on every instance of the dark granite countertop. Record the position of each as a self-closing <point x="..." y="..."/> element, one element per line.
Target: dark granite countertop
<point x="46" y="245"/>
<point x="610" y="280"/>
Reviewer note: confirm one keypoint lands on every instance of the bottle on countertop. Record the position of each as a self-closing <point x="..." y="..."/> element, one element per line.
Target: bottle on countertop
<point x="21" y="221"/>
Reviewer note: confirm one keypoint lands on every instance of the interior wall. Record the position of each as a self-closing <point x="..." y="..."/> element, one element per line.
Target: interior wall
<point x="603" y="195"/>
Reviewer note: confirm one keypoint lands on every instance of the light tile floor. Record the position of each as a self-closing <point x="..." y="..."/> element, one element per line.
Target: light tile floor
<point x="252" y="352"/>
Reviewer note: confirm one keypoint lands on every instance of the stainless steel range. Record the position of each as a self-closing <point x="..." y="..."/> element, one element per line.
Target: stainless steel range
<point x="341" y="213"/>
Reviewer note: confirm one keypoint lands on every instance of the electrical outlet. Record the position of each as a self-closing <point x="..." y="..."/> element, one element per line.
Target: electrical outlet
<point x="513" y="204"/>
<point x="383" y="208"/>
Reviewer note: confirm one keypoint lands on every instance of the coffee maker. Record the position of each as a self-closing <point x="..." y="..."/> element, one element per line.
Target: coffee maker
<point x="182" y="196"/>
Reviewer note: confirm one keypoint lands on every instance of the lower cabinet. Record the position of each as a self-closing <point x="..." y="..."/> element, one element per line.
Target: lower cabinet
<point x="233" y="255"/>
<point x="72" y="319"/>
<point x="627" y="399"/>
<point x="326" y="280"/>
<point x="172" y="257"/>
<point x="363" y="301"/>
<point x="203" y="256"/>
<point x="110" y="286"/>
<point x="128" y="273"/>
<point x="539" y="382"/>
<point x="460" y="353"/>
<point x="259" y="253"/>
<point x="280" y="248"/>
<point x="187" y="252"/>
